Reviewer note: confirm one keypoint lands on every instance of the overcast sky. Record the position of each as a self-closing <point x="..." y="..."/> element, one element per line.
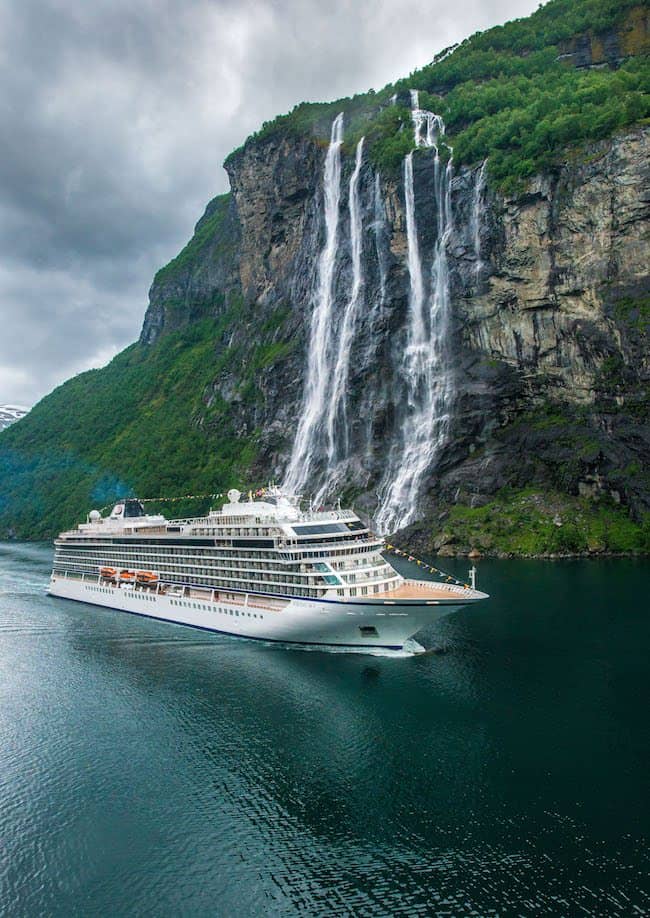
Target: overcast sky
<point x="116" y="116"/>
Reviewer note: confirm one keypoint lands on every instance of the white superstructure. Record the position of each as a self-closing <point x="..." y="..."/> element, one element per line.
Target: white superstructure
<point x="256" y="568"/>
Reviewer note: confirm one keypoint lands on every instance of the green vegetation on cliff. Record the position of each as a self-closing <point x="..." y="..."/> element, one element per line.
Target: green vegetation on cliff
<point x="512" y="94"/>
<point x="207" y="230"/>
<point x="128" y="428"/>
<point x="530" y="522"/>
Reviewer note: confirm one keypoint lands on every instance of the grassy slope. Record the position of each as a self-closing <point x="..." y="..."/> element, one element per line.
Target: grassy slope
<point x="530" y="522"/>
<point x="109" y="432"/>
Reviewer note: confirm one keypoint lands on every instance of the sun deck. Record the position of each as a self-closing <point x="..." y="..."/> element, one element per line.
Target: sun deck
<point x="430" y="591"/>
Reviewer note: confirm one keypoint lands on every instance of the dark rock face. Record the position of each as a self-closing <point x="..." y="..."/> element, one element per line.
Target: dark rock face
<point x="199" y="281"/>
<point x="610" y="47"/>
<point x="548" y="347"/>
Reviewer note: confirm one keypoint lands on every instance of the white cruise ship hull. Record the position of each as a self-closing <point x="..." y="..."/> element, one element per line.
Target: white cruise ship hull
<point x="300" y="621"/>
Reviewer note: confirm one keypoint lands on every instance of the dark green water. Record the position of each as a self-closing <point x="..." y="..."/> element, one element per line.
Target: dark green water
<point x="148" y="769"/>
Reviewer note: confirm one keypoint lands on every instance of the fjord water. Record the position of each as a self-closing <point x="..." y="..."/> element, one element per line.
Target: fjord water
<point x="147" y="768"/>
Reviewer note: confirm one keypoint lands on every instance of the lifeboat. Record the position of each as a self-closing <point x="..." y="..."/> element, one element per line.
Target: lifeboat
<point x="146" y="577"/>
<point x="108" y="573"/>
<point x="127" y="576"/>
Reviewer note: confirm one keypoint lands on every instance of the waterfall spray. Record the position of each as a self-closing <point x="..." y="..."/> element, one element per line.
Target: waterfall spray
<point x="416" y="282"/>
<point x="320" y="343"/>
<point x="477" y="215"/>
<point x="424" y="367"/>
<point x="380" y="232"/>
<point x="336" y="417"/>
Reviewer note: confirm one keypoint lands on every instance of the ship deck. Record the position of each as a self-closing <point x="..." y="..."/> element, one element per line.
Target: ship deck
<point x="429" y="590"/>
<point x="410" y="591"/>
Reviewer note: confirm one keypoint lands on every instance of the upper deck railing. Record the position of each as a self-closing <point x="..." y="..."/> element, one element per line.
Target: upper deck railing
<point x="244" y="519"/>
<point x="216" y="519"/>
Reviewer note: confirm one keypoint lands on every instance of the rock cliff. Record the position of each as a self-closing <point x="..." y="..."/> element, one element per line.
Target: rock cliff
<point x="532" y="259"/>
<point x="548" y="332"/>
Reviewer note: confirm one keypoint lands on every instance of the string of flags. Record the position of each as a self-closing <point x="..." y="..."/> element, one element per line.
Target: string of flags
<point x="157" y="500"/>
<point x="428" y="567"/>
<point x="150" y="500"/>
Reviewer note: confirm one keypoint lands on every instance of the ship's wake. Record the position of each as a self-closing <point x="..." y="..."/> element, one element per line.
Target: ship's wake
<point x="411" y="648"/>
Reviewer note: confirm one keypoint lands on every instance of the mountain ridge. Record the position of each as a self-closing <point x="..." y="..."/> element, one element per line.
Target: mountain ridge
<point x="550" y="356"/>
<point x="9" y="414"/>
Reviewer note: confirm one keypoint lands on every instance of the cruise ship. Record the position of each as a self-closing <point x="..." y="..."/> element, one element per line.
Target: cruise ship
<point x="256" y="568"/>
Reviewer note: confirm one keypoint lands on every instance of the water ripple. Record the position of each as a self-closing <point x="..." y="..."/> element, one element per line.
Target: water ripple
<point x="148" y="769"/>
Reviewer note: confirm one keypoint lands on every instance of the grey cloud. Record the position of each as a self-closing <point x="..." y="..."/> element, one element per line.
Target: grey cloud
<point x="116" y="117"/>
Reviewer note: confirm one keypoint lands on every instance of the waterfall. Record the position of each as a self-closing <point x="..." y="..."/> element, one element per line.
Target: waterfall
<point x="322" y="437"/>
<point x="306" y="443"/>
<point x="424" y="365"/>
<point x="416" y="282"/>
<point x="477" y="215"/>
<point x="427" y="128"/>
<point x="336" y="426"/>
<point x="379" y="230"/>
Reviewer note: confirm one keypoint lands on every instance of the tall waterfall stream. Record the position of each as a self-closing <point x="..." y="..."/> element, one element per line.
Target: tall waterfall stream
<point x="424" y="365"/>
<point x="322" y="444"/>
<point x="319" y="361"/>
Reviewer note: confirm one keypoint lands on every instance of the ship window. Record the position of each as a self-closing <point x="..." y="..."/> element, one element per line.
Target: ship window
<point x="318" y="530"/>
<point x="368" y="630"/>
<point x="253" y="543"/>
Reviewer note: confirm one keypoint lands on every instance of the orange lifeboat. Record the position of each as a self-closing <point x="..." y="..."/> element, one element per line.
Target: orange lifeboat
<point x="108" y="573"/>
<point x="127" y="576"/>
<point x="147" y="577"/>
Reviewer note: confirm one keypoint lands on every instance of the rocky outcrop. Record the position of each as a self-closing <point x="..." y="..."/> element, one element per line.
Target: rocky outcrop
<point x="201" y="279"/>
<point x="599" y="48"/>
<point x="554" y="340"/>
<point x="547" y="339"/>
